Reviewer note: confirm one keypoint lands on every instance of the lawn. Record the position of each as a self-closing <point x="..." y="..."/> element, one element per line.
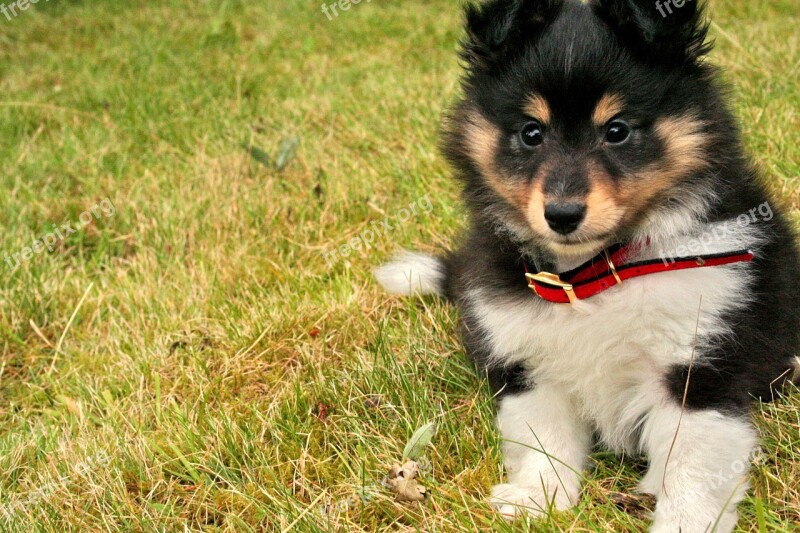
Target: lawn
<point x="196" y="343"/>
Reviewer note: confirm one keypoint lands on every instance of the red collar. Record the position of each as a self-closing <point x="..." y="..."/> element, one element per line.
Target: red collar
<point x="609" y="268"/>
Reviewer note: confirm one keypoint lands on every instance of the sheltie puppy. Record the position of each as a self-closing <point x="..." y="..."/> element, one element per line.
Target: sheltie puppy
<point x="626" y="280"/>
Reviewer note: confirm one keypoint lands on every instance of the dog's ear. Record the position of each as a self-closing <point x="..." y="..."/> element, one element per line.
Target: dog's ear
<point x="498" y="28"/>
<point x="664" y="30"/>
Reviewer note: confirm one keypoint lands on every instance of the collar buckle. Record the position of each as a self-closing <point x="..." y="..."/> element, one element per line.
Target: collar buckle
<point x="554" y="280"/>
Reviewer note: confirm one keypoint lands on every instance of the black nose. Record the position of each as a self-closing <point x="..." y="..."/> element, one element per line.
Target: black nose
<point x="564" y="218"/>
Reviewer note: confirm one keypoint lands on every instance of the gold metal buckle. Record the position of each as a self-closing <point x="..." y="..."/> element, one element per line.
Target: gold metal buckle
<point x="552" y="279"/>
<point x="612" y="267"/>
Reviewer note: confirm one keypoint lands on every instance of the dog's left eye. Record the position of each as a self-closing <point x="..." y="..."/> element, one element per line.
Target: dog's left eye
<point x="531" y="134"/>
<point x="618" y="132"/>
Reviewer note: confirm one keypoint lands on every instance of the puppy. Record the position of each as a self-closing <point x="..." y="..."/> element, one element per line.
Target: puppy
<point x="626" y="279"/>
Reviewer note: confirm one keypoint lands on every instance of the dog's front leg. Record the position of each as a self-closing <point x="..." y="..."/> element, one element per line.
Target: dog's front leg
<point x="545" y="445"/>
<point x="698" y="468"/>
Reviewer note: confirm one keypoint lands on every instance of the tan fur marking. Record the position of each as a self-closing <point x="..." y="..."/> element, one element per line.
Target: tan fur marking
<point x="483" y="138"/>
<point x="609" y="106"/>
<point x="603" y="210"/>
<point x="685" y="144"/>
<point x="684" y="153"/>
<point x="538" y="108"/>
<point x="534" y="210"/>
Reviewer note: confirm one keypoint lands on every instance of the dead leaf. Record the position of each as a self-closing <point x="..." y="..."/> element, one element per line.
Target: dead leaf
<point x="403" y="481"/>
<point x="638" y="506"/>
<point x="408" y="490"/>
<point x="409" y="470"/>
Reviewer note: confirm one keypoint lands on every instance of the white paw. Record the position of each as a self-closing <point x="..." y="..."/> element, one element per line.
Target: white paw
<point x="512" y="500"/>
<point x="693" y="521"/>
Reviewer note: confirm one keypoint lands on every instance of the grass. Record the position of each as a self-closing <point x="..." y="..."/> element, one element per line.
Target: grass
<point x="191" y="362"/>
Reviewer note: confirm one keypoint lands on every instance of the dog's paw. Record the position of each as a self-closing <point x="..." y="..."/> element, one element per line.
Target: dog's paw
<point x="512" y="500"/>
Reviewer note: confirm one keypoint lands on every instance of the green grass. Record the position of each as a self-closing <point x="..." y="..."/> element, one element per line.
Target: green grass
<point x="192" y="362"/>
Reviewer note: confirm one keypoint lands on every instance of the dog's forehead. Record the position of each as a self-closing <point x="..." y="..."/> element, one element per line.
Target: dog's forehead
<point x="576" y="36"/>
<point x="578" y="64"/>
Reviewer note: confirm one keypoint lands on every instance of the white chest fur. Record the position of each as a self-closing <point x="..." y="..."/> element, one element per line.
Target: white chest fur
<point x="611" y="352"/>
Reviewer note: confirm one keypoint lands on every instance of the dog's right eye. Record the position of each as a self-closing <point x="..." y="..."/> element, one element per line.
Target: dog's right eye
<point x="618" y="132"/>
<point x="531" y="134"/>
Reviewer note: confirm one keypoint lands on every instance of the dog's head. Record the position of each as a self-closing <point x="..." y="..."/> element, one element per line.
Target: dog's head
<point x="579" y="121"/>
